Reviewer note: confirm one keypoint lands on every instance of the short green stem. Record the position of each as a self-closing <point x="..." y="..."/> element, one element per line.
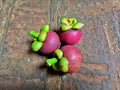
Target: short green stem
<point x="33" y="34"/>
<point x="51" y="61"/>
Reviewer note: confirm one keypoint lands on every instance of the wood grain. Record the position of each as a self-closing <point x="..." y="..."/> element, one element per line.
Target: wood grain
<point x="22" y="69"/>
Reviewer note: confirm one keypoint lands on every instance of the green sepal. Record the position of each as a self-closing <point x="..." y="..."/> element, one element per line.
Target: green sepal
<point x="64" y="20"/>
<point x="42" y="36"/>
<point x="55" y="67"/>
<point x="63" y="64"/>
<point x="77" y="25"/>
<point x="34" y="39"/>
<point x="58" y="53"/>
<point x="65" y="27"/>
<point x="33" y="34"/>
<point x="72" y="21"/>
<point x="44" y="28"/>
<point x="51" y="61"/>
<point x="36" y="45"/>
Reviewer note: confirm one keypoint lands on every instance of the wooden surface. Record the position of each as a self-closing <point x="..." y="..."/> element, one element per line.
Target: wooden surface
<point x="21" y="69"/>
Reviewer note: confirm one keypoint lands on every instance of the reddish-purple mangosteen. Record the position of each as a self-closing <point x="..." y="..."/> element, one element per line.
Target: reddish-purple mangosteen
<point x="70" y="31"/>
<point x="45" y="41"/>
<point x="66" y="59"/>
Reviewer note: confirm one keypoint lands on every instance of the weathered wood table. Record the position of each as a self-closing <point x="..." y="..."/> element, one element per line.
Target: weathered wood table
<point x="21" y="69"/>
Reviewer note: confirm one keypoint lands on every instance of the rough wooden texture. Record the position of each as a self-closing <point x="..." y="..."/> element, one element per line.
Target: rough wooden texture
<point x="21" y="69"/>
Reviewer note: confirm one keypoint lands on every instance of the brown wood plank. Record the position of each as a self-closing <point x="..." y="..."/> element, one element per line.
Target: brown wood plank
<point x="22" y="69"/>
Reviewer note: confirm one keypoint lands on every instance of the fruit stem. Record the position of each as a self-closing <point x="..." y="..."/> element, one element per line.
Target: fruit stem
<point x="33" y="34"/>
<point x="51" y="61"/>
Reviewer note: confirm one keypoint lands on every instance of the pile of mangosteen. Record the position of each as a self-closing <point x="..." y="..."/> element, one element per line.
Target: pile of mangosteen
<point x="65" y="56"/>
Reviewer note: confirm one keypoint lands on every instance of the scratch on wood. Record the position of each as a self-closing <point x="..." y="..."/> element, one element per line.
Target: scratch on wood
<point x="111" y="37"/>
<point x="5" y="26"/>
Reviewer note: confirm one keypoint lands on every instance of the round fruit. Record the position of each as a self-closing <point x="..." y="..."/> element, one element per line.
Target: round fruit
<point x="51" y="43"/>
<point x="66" y="59"/>
<point x="45" y="41"/>
<point x="71" y="36"/>
<point x="70" y="31"/>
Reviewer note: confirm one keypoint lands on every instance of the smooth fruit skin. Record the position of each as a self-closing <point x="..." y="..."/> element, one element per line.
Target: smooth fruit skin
<point x="51" y="43"/>
<point x="74" y="57"/>
<point x="70" y="36"/>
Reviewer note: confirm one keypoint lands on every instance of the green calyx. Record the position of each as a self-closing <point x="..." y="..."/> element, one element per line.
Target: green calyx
<point x="72" y="20"/>
<point x="33" y="34"/>
<point x="39" y="37"/>
<point x="65" y="27"/>
<point x="63" y="64"/>
<point x="70" y="23"/>
<point x="55" y="67"/>
<point x="58" y="63"/>
<point x="45" y="28"/>
<point x="77" y="25"/>
<point x="64" y="21"/>
<point x="42" y="36"/>
<point x="51" y="61"/>
<point x="58" y="53"/>
<point x="43" y="33"/>
<point x="36" y="45"/>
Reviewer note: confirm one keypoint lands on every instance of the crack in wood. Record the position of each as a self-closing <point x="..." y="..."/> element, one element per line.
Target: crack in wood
<point x="116" y="26"/>
<point x="57" y="10"/>
<point x="6" y="26"/>
<point x="1" y="5"/>
<point x="111" y="37"/>
<point x="103" y="8"/>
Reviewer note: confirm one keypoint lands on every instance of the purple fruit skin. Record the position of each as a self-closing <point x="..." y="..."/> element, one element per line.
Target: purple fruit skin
<point x="71" y="36"/>
<point x="74" y="57"/>
<point x="51" y="43"/>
